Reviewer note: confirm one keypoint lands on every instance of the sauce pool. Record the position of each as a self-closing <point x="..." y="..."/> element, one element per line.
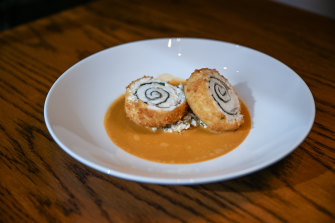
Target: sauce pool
<point x="190" y="146"/>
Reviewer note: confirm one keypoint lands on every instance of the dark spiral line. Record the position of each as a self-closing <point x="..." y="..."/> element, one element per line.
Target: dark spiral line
<point x="220" y="90"/>
<point x="217" y="90"/>
<point x="154" y="92"/>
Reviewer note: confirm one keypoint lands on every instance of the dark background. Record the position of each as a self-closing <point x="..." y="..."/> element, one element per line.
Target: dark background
<point x="16" y="12"/>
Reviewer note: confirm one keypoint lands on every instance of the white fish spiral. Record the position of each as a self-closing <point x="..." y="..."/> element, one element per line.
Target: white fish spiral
<point x="159" y="94"/>
<point x="223" y="95"/>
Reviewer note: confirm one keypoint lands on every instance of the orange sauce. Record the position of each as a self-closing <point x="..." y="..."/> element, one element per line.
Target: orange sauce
<point x="190" y="146"/>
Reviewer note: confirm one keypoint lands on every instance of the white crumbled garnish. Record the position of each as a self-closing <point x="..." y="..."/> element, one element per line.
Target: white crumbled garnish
<point x="188" y="121"/>
<point x="203" y="124"/>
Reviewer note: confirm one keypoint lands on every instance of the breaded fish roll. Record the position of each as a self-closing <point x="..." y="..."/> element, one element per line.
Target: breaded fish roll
<point x="213" y="99"/>
<point x="154" y="103"/>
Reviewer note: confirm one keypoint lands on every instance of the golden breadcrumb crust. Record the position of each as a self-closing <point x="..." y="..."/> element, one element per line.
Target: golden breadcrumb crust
<point x="203" y="105"/>
<point x="141" y="114"/>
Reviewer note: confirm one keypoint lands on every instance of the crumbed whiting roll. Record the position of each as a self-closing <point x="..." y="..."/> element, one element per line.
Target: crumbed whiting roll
<point x="213" y="99"/>
<point x="154" y="103"/>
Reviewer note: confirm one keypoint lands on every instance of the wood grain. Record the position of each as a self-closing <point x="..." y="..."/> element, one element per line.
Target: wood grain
<point x="41" y="183"/>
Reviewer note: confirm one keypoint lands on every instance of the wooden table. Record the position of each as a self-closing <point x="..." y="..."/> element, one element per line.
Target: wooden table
<point x="41" y="183"/>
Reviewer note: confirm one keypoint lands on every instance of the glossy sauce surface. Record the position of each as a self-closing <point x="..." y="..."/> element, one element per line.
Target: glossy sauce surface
<point x="190" y="146"/>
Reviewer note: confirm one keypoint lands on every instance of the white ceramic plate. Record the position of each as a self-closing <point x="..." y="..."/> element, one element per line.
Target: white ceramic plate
<point x="281" y="106"/>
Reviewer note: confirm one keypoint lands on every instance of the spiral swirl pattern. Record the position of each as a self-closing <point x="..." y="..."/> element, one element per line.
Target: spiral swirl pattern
<point x="221" y="94"/>
<point x="160" y="94"/>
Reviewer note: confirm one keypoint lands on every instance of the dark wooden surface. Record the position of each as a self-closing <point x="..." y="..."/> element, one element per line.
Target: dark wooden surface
<point x="41" y="183"/>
